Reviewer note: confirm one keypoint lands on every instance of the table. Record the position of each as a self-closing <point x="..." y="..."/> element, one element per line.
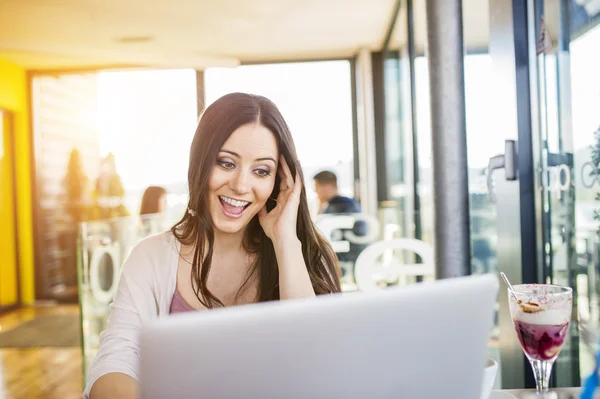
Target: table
<point x="562" y="393"/>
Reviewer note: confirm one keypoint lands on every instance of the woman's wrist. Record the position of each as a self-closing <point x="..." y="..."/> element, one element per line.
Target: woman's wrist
<point x="284" y="245"/>
<point x="294" y="280"/>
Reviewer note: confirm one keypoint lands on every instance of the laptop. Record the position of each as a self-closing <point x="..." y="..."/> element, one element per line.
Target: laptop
<point x="426" y="341"/>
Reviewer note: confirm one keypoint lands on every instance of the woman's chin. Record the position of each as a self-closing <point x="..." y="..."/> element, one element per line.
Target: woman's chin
<point x="231" y="226"/>
<point x="228" y="227"/>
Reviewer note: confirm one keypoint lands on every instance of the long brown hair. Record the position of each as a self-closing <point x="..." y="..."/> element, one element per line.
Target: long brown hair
<point x="217" y="123"/>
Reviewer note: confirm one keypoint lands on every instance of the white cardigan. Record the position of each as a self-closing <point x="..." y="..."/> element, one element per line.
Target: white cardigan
<point x="145" y="291"/>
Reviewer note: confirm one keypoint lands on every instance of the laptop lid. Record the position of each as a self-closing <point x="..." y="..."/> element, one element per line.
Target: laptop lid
<point x="423" y="341"/>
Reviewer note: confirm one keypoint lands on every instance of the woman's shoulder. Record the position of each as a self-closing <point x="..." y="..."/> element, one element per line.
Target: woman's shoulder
<point x="159" y="243"/>
<point x="156" y="252"/>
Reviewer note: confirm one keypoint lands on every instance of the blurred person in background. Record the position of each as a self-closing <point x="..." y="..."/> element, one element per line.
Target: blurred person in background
<point x="332" y="203"/>
<point x="330" y="200"/>
<point x="109" y="193"/>
<point x="152" y="209"/>
<point x="247" y="237"/>
<point x="154" y="201"/>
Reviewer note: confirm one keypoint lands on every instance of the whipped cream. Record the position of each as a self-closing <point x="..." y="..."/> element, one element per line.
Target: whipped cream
<point x="544" y="316"/>
<point x="541" y="304"/>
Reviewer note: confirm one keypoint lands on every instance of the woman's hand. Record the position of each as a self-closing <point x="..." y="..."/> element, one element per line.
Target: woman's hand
<point x="280" y="224"/>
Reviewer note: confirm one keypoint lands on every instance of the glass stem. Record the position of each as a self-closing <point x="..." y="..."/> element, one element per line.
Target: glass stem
<point x="541" y="371"/>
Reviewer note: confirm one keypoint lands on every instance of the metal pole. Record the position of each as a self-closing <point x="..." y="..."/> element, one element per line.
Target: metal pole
<point x="448" y="133"/>
<point x="410" y="35"/>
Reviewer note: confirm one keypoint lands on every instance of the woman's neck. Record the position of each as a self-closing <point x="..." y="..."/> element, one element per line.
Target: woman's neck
<point x="223" y="245"/>
<point x="228" y="243"/>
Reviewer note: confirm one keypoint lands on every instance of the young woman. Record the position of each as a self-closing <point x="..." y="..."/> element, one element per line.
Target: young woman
<point x="247" y="237"/>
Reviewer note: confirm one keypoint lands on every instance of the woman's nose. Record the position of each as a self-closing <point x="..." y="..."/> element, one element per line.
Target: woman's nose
<point x="239" y="183"/>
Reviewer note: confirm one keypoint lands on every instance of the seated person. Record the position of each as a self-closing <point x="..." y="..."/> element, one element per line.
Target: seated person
<point x="154" y="201"/>
<point x="331" y="202"/>
<point x="247" y="237"/>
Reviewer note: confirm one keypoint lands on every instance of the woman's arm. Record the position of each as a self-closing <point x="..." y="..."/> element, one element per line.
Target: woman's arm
<point x="115" y="385"/>
<point x="294" y="281"/>
<point x="280" y="226"/>
<point x="114" y="372"/>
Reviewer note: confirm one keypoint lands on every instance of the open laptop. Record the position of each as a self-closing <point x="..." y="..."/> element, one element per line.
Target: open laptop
<point x="423" y="341"/>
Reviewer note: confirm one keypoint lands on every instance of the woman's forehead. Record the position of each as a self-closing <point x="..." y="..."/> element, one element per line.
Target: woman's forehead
<point x="251" y="140"/>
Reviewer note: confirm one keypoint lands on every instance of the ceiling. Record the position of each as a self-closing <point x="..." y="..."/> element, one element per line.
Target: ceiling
<point x="476" y="26"/>
<point x="75" y="34"/>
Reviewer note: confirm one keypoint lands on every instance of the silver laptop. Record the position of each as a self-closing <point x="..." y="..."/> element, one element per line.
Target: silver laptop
<point x="423" y="341"/>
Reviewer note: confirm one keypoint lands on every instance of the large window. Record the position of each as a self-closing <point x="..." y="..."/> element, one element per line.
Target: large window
<point x="483" y="142"/>
<point x="147" y="119"/>
<point x="585" y="92"/>
<point x="585" y="103"/>
<point x="101" y="139"/>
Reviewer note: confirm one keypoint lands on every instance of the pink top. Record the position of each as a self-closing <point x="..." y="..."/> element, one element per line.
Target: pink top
<point x="179" y="305"/>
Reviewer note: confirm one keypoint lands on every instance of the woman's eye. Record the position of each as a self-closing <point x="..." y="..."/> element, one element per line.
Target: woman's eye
<point x="227" y="164"/>
<point x="262" y="173"/>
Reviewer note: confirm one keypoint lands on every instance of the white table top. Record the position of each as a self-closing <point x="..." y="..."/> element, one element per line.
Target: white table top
<point x="561" y="393"/>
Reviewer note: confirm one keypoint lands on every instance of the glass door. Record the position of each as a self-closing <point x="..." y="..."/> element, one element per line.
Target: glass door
<point x="568" y="95"/>
<point x="567" y="100"/>
<point x="545" y="54"/>
<point x="553" y="138"/>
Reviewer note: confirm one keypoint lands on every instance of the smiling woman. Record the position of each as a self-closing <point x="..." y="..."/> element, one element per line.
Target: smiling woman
<point x="254" y="192"/>
<point x="242" y="180"/>
<point x="247" y="237"/>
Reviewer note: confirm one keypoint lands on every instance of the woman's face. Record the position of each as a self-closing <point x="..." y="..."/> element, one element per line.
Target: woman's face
<point x="243" y="177"/>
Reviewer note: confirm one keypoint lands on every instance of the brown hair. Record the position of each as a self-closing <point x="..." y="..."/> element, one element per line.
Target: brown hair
<point x="217" y="123"/>
<point x="151" y="199"/>
<point x="326" y="177"/>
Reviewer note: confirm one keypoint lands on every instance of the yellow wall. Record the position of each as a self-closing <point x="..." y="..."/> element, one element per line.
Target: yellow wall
<point x="14" y="97"/>
<point x="8" y="255"/>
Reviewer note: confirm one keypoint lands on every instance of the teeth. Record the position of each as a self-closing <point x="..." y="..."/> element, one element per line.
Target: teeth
<point x="233" y="202"/>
